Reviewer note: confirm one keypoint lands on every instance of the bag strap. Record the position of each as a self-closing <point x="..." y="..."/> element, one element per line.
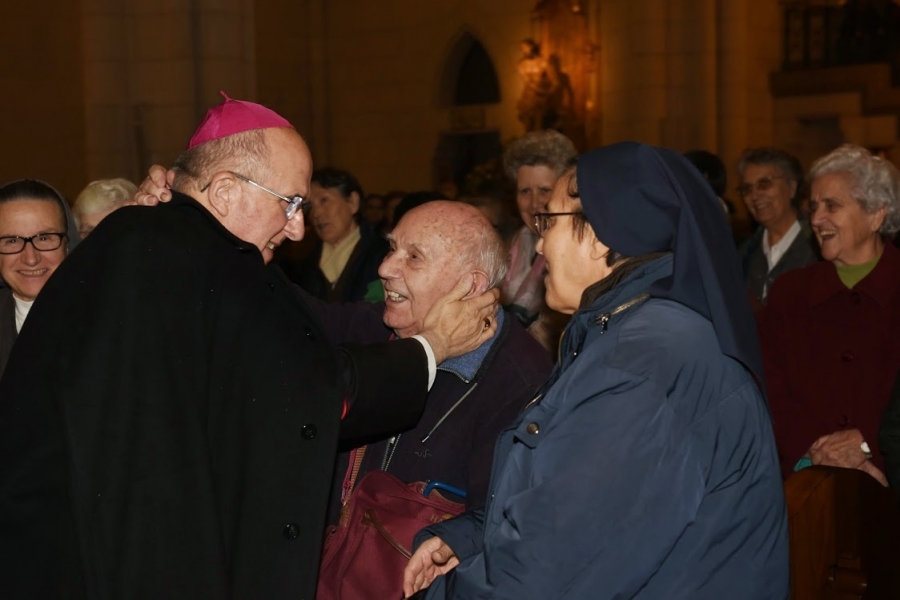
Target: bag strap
<point x="356" y="458"/>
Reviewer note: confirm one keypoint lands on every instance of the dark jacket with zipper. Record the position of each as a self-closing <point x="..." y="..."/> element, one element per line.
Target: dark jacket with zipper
<point x="459" y="450"/>
<point x="803" y="251"/>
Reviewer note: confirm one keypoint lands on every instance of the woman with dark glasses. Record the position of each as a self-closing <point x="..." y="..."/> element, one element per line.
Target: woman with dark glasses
<point x="34" y="240"/>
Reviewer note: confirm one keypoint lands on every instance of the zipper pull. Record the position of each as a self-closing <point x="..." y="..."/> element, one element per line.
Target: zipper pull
<point x="602" y="321"/>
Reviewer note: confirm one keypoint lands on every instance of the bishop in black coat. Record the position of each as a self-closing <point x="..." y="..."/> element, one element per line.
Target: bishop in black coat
<point x="169" y="417"/>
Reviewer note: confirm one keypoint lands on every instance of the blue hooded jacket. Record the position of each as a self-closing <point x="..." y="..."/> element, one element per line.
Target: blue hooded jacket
<point x="647" y="468"/>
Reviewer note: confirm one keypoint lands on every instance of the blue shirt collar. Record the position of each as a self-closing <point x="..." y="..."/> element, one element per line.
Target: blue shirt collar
<point x="466" y="366"/>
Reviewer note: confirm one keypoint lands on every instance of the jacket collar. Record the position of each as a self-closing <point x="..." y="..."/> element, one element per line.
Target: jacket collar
<point x="467" y="366"/>
<point x="180" y="200"/>
<point x="636" y="283"/>
<point x="880" y="284"/>
<point x="613" y="304"/>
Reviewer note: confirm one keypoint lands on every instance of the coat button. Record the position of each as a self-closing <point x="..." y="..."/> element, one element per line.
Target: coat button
<point x="854" y="298"/>
<point x="843" y="421"/>
<point x="847" y="356"/>
<point x="309" y="333"/>
<point x="533" y="428"/>
<point x="308" y="431"/>
<point x="291" y="531"/>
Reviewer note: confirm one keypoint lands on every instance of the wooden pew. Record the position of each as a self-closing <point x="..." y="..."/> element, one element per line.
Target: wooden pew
<point x="845" y="536"/>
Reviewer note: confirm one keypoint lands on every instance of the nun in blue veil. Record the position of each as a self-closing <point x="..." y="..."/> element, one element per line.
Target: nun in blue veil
<point x="646" y="466"/>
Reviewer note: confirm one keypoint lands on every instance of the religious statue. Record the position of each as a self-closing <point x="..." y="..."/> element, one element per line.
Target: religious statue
<point x="557" y="67"/>
<point x="547" y="95"/>
<point x="533" y="71"/>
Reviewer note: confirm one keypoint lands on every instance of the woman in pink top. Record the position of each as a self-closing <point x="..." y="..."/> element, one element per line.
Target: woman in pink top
<point x="534" y="162"/>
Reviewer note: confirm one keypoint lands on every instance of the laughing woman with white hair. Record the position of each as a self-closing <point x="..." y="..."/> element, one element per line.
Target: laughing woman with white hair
<point x="829" y="332"/>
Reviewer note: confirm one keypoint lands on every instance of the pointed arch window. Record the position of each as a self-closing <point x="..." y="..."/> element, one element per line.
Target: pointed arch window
<point x="469" y="75"/>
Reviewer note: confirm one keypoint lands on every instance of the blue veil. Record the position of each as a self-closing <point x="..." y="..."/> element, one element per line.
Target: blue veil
<point x="641" y="199"/>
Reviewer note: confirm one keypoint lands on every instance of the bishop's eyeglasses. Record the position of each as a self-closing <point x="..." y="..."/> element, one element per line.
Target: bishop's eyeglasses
<point x="293" y="202"/>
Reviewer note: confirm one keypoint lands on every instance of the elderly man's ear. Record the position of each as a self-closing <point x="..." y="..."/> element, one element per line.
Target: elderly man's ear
<point x="223" y="191"/>
<point x="480" y="284"/>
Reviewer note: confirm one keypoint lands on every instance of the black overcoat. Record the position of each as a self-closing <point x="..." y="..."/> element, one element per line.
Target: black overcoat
<point x="169" y="417"/>
<point x="7" y="326"/>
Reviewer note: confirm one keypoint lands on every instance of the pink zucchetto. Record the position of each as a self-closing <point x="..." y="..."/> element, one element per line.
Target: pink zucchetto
<point x="235" y="116"/>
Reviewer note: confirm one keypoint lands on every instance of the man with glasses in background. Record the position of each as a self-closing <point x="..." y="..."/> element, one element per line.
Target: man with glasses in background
<point x="169" y="418"/>
<point x="771" y="187"/>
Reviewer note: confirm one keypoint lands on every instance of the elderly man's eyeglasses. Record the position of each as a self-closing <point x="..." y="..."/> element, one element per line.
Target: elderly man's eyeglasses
<point x="543" y="220"/>
<point x="761" y="185"/>
<point x="294" y="202"/>
<point x="44" y="242"/>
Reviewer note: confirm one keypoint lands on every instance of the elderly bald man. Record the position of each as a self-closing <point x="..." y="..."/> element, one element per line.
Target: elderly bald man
<point x="474" y="396"/>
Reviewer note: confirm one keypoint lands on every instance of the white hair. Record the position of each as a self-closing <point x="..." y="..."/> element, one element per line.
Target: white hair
<point x="487" y="253"/>
<point x="876" y="182"/>
<point x="102" y="195"/>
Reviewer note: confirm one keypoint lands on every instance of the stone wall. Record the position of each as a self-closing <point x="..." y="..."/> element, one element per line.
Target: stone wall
<point x="42" y="100"/>
<point x="105" y="87"/>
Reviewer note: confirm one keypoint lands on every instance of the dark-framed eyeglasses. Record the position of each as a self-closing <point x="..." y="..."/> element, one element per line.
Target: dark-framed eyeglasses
<point x="761" y="185"/>
<point x="294" y="202"/>
<point x="42" y="242"/>
<point x="543" y="220"/>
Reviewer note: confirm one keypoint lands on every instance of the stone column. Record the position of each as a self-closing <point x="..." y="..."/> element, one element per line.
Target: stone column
<point x="691" y="76"/>
<point x="633" y="70"/>
<point x="318" y="101"/>
<point x="152" y="69"/>
<point x="42" y="100"/>
<point x="749" y="42"/>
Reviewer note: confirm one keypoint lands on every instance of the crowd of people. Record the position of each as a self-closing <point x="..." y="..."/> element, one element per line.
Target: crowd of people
<point x="612" y="388"/>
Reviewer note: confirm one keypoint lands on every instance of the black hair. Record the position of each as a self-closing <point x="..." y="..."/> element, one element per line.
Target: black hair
<point x="342" y="181"/>
<point x="788" y="164"/>
<point x="712" y="168"/>
<point x="34" y="189"/>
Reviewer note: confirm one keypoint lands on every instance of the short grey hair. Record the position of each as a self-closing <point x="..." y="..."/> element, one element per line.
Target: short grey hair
<point x="546" y="147"/>
<point x="788" y="164"/>
<point x="246" y="152"/>
<point x="876" y="182"/>
<point x="103" y="195"/>
<point x="487" y="253"/>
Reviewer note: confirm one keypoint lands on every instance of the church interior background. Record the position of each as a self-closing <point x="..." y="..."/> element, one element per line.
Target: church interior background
<point x="418" y="95"/>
